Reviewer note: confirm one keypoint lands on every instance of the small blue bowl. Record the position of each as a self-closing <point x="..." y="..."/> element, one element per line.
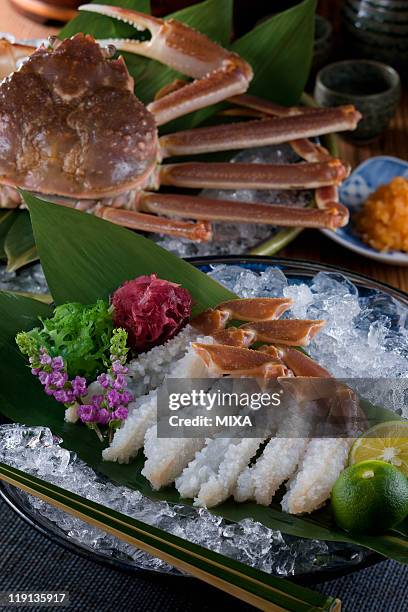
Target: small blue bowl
<point x="365" y="179"/>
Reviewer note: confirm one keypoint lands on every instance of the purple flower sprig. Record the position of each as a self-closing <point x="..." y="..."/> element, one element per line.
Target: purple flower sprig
<point x="110" y="407"/>
<point x="52" y="374"/>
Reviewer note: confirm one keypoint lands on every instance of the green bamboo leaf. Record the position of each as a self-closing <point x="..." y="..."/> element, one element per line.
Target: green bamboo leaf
<point x="280" y="52"/>
<point x="7" y="218"/>
<point x="251" y="585"/>
<point x="19" y="244"/>
<point x="87" y="257"/>
<point x="104" y="27"/>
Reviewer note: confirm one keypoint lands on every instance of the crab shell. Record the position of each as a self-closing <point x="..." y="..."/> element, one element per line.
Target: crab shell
<point x="78" y="134"/>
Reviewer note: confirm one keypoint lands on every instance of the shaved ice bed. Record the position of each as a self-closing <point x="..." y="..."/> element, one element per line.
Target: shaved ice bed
<point x="36" y="451"/>
<point x="365" y="336"/>
<point x="238" y="238"/>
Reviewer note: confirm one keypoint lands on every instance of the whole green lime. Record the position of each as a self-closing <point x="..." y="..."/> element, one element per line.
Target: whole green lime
<point x="370" y="497"/>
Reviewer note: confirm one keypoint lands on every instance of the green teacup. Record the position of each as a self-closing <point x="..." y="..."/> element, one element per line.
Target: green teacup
<point x="374" y="89"/>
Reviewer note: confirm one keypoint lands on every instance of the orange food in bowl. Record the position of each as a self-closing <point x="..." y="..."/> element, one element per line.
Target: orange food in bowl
<point x="383" y="221"/>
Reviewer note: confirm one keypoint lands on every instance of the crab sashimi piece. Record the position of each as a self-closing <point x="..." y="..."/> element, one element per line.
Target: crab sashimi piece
<point x="204" y="465"/>
<point x="233" y="337"/>
<point x="129" y="438"/>
<point x="279" y="458"/>
<point x="237" y="361"/>
<point x="260" y="132"/>
<point x="221" y="485"/>
<point x="148" y="370"/>
<point x="219" y="73"/>
<point x="322" y="464"/>
<point x="293" y="332"/>
<point x="340" y="402"/>
<point x="245" y="309"/>
<point x="206" y="209"/>
<point x="220" y="175"/>
<point x="167" y="457"/>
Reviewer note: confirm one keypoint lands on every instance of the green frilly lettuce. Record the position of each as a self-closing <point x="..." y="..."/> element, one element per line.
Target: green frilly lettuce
<point x="80" y="334"/>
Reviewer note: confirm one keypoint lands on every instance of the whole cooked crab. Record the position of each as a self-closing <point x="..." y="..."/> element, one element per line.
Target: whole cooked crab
<point x="72" y="128"/>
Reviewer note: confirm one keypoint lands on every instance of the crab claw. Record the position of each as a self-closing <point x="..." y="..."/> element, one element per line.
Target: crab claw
<point x="172" y="43"/>
<point x="219" y="73"/>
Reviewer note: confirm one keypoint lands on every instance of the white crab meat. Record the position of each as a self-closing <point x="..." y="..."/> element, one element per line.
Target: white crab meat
<point x="323" y="461"/>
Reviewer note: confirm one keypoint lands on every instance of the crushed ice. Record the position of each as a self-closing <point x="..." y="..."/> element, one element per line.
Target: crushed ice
<point x="30" y="279"/>
<point x="37" y="452"/>
<point x="365" y="336"/>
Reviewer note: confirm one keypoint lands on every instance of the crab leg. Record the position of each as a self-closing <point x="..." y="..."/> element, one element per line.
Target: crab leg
<point x="200" y="232"/>
<point x="260" y="132"/>
<point x="255" y="176"/>
<point x="219" y="73"/>
<point x="196" y="207"/>
<point x="326" y="197"/>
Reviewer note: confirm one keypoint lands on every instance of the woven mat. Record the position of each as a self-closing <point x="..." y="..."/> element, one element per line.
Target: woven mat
<point x="29" y="561"/>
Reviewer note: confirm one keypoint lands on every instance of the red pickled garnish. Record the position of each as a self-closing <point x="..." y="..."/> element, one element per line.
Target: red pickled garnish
<point x="151" y="310"/>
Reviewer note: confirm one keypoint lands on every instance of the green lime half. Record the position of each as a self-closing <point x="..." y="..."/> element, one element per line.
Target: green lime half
<point x="384" y="442"/>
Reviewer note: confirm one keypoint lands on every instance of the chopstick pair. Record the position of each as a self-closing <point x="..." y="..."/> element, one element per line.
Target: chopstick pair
<point x="253" y="586"/>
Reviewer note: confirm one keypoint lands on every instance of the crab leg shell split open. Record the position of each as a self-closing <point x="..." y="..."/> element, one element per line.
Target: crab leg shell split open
<point x="219" y="73"/>
<point x="238" y="361"/>
<point x="294" y="332"/>
<point x="245" y="309"/>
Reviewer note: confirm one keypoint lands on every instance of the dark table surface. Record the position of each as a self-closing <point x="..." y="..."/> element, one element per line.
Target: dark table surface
<point x="29" y="561"/>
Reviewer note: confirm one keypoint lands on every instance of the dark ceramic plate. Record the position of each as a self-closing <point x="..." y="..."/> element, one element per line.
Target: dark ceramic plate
<point x="298" y="271"/>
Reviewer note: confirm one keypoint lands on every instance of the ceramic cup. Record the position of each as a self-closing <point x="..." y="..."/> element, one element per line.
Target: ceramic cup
<point x="378" y="30"/>
<point x="373" y="88"/>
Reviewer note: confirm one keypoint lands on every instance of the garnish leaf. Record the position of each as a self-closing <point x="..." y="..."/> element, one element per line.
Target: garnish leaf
<point x="85" y="263"/>
<point x="280" y="51"/>
<point x="19" y="244"/>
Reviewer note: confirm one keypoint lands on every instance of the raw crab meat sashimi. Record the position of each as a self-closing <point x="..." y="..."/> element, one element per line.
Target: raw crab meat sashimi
<point x="72" y="129"/>
<point x="212" y="469"/>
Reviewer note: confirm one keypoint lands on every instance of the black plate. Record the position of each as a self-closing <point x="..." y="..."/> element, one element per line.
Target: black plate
<point x="18" y="501"/>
